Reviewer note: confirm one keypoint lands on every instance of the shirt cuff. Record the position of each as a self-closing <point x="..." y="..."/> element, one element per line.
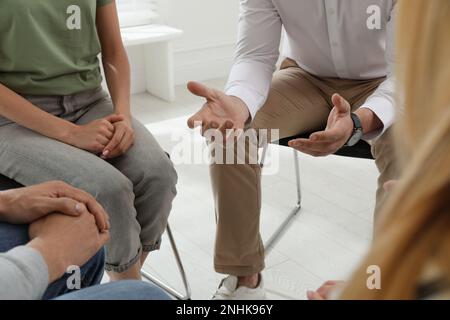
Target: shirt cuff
<point x="252" y="99"/>
<point x="385" y="111"/>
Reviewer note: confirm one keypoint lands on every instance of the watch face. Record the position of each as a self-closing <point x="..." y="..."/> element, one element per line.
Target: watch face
<point x="357" y="136"/>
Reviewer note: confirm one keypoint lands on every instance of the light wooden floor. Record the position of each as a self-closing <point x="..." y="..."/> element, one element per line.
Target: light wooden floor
<point x="324" y="242"/>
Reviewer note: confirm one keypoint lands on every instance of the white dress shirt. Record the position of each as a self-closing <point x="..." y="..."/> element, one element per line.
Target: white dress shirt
<point x="348" y="39"/>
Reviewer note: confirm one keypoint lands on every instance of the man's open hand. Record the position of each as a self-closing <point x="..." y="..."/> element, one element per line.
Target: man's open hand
<point x="339" y="129"/>
<point x="220" y="112"/>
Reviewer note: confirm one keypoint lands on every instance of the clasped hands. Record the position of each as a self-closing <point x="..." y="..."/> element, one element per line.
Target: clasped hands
<point x="109" y="137"/>
<point x="66" y="225"/>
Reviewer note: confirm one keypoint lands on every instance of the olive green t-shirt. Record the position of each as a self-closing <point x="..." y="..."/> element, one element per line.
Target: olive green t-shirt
<point x="49" y="47"/>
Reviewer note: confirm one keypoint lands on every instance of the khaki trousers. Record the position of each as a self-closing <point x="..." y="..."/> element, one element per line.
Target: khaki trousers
<point x="298" y="103"/>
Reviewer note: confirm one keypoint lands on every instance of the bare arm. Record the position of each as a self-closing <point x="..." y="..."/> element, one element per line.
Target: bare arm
<point x="17" y="109"/>
<point x="99" y="135"/>
<point x="117" y="72"/>
<point x="92" y="137"/>
<point x="114" y="57"/>
<point x="96" y="135"/>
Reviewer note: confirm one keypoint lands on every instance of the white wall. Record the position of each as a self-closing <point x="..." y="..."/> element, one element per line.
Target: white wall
<point x="206" y="49"/>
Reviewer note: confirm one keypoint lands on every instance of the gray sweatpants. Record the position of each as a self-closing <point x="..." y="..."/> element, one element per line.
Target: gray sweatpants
<point x="135" y="189"/>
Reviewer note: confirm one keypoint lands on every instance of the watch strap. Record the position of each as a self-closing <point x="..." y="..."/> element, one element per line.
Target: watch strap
<point x="357" y="131"/>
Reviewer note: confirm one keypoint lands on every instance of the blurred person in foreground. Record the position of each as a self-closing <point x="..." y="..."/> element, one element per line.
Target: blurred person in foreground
<point x="412" y="248"/>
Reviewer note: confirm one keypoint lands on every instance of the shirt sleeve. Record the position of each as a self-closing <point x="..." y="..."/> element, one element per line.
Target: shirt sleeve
<point x="23" y="274"/>
<point x="257" y="53"/>
<point x="382" y="101"/>
<point x="101" y="3"/>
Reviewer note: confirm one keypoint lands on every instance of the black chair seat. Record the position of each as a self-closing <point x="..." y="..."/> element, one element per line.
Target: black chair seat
<point x="361" y="150"/>
<point x="8" y="184"/>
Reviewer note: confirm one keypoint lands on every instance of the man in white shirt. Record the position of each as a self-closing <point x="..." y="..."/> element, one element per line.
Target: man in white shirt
<point x="336" y="75"/>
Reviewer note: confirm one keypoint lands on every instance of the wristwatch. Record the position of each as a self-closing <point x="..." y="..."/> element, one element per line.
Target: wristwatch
<point x="357" y="131"/>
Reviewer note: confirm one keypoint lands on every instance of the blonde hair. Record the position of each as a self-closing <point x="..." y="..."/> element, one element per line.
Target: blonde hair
<point x="414" y="231"/>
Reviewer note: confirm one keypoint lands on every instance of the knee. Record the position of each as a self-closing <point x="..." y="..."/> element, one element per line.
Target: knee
<point x="115" y="185"/>
<point x="161" y="176"/>
<point x="168" y="176"/>
<point x="107" y="185"/>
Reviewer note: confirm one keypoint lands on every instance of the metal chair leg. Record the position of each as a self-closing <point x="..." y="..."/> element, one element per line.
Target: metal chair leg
<point x="263" y="155"/>
<point x="166" y="287"/>
<point x="297" y="177"/>
<point x="280" y="231"/>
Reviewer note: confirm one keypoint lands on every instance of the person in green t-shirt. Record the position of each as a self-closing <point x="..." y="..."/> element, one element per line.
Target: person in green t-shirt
<point x="57" y="123"/>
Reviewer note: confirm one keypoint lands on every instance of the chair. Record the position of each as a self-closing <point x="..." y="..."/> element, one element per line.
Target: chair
<point x="6" y="184"/>
<point x="361" y="150"/>
<point x="164" y="286"/>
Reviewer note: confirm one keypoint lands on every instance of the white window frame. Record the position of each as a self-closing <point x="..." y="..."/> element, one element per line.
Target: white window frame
<point x="137" y="12"/>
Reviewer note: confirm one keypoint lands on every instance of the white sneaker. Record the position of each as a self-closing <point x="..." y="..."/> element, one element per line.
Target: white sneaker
<point x="228" y="290"/>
